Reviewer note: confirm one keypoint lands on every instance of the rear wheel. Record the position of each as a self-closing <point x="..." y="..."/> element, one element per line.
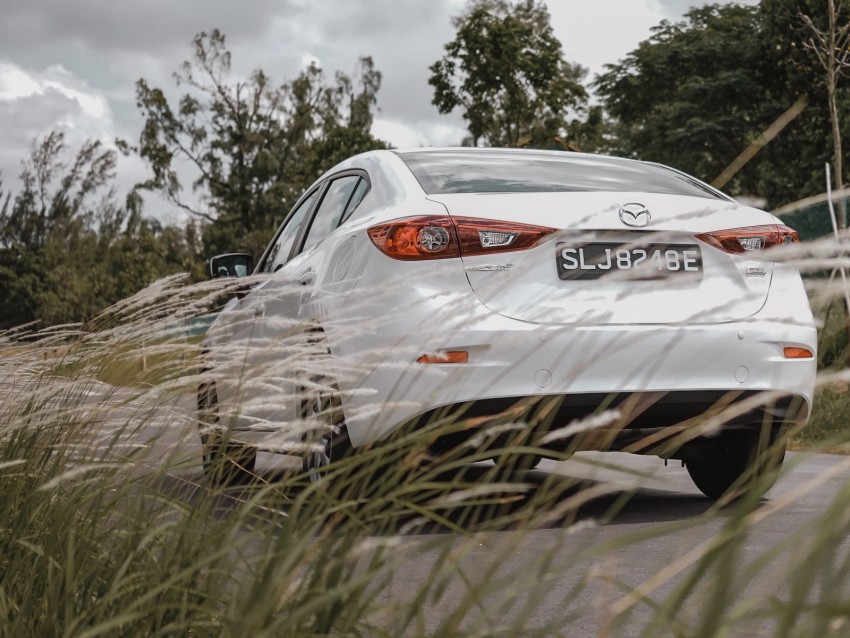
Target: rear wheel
<point x="225" y="462"/>
<point x="737" y="461"/>
<point x="518" y="461"/>
<point x="321" y="406"/>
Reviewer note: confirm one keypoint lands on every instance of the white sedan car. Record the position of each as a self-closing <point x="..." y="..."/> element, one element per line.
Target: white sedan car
<point x="579" y="301"/>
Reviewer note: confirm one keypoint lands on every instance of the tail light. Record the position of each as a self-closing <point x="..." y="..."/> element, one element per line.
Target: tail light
<point x="741" y="240"/>
<point x="433" y="237"/>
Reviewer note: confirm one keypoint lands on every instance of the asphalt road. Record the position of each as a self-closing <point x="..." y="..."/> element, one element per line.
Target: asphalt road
<point x="660" y="496"/>
<point x="573" y="571"/>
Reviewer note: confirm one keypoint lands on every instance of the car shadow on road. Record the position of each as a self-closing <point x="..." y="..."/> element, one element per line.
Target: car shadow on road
<point x="550" y="500"/>
<point x="560" y="501"/>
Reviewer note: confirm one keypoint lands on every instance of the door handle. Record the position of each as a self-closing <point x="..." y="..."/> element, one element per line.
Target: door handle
<point x="307" y="277"/>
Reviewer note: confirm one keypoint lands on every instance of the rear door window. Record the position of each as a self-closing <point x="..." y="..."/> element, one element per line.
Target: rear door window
<point x="356" y="197"/>
<point x="282" y="246"/>
<point x="331" y="209"/>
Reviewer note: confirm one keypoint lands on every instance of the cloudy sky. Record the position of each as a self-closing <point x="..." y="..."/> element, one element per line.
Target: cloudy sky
<point x="72" y="65"/>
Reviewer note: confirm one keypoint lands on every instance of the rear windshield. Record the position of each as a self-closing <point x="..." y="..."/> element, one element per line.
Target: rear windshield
<point x="485" y="171"/>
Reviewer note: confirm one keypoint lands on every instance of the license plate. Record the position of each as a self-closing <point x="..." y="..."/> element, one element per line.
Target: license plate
<point x="644" y="261"/>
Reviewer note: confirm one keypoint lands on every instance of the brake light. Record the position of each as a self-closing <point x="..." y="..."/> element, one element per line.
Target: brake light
<point x="741" y="240"/>
<point x="414" y="238"/>
<point x="434" y="237"/>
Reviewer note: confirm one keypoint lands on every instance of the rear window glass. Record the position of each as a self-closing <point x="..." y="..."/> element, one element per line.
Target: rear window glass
<point x="484" y="171"/>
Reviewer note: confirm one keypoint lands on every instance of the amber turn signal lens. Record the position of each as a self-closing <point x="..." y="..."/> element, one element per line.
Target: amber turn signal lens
<point x="452" y="356"/>
<point x="792" y="352"/>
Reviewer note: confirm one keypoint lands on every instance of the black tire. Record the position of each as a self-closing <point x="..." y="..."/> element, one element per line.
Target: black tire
<point x="321" y="404"/>
<point x="737" y="461"/>
<point x="225" y="462"/>
<point x="518" y="462"/>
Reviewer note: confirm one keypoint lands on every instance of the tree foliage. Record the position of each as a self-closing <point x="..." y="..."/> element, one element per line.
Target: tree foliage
<point x="68" y="247"/>
<point x="253" y="146"/>
<point x="699" y="91"/>
<point x="235" y="152"/>
<point x="830" y="46"/>
<point x="506" y="71"/>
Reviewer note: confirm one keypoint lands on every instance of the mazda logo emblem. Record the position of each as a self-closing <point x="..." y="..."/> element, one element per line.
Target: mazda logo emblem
<point x="634" y="215"/>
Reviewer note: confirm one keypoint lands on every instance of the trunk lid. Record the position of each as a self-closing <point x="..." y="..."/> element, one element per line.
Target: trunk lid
<point x="526" y="284"/>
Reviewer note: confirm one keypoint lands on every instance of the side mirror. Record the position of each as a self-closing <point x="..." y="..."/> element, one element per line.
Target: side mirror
<point x="231" y="265"/>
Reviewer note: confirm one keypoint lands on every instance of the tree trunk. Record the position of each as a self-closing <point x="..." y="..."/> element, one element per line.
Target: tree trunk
<point x="831" y="88"/>
<point x="837" y="158"/>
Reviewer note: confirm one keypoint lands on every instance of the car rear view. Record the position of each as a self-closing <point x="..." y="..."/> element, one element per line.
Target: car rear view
<point x="620" y="286"/>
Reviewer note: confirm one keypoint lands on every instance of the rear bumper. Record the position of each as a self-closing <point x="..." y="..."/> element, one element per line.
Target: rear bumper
<point x="687" y="368"/>
<point x="668" y="424"/>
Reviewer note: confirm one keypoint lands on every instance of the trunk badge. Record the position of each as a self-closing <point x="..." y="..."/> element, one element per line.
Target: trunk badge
<point x="756" y="271"/>
<point x="634" y="214"/>
<point x="491" y="268"/>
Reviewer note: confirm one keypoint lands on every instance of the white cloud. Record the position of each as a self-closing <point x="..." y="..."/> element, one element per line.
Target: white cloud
<point x="590" y="36"/>
<point x="15" y="83"/>
<point x="402" y="134"/>
<point x="398" y="134"/>
<point x="308" y="59"/>
<point x="36" y="102"/>
<point x="595" y="34"/>
<point x="105" y="47"/>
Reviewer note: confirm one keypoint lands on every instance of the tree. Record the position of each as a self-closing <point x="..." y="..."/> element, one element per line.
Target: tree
<point x="254" y="146"/>
<point x="57" y="198"/>
<point x="506" y="70"/>
<point x="689" y="96"/>
<point x="48" y="247"/>
<point x="698" y="92"/>
<point x="797" y="156"/>
<point x="831" y="47"/>
<point x="68" y="247"/>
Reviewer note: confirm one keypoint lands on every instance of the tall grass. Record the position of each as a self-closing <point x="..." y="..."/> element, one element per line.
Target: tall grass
<point x="110" y="528"/>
